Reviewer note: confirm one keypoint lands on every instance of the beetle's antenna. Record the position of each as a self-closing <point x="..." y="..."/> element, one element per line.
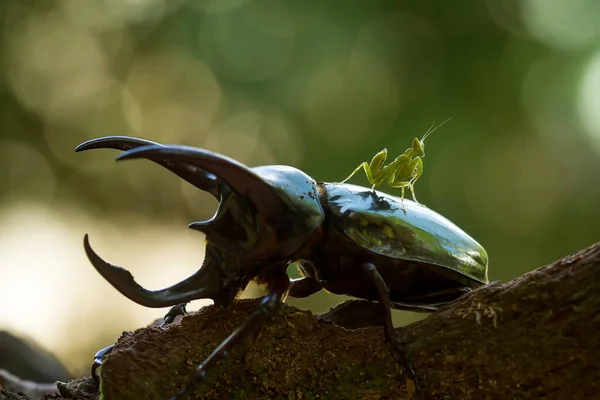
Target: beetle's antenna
<point x="432" y="129"/>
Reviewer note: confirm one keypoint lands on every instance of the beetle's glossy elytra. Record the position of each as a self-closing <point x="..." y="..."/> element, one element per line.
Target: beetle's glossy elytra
<point x="377" y="222"/>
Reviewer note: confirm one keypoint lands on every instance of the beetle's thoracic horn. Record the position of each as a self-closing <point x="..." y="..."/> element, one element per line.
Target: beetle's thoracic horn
<point x="235" y="175"/>
<point x="192" y="288"/>
<point x="201" y="179"/>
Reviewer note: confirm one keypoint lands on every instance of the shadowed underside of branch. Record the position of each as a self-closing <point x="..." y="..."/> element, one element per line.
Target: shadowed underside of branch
<point x="537" y="336"/>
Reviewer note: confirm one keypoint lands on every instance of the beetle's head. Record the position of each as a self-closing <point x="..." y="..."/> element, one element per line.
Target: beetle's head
<point x="265" y="214"/>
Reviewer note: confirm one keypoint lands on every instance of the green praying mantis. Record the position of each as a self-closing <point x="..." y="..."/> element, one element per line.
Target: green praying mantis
<point x="401" y="173"/>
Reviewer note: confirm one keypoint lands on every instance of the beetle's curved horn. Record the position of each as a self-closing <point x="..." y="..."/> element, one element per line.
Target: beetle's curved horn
<point x="192" y="288"/>
<point x="114" y="142"/>
<point x="201" y="179"/>
<point x="234" y="174"/>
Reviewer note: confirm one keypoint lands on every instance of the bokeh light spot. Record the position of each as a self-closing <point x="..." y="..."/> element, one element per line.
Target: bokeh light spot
<point x="255" y="135"/>
<point x="171" y="97"/>
<point x="141" y="10"/>
<point x="54" y="66"/>
<point x="223" y="6"/>
<point x="255" y="41"/>
<point x="25" y="172"/>
<point x="564" y="25"/>
<point x="335" y="106"/>
<point x="91" y="14"/>
<point x="589" y="100"/>
<point x="526" y="188"/>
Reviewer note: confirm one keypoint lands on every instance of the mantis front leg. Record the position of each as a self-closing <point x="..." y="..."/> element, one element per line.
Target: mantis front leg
<point x="406" y="176"/>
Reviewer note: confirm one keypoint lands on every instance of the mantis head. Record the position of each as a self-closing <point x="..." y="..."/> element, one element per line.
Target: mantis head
<point x="418" y="146"/>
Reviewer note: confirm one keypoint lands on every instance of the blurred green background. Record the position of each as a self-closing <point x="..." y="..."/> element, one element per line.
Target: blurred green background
<point x="320" y="85"/>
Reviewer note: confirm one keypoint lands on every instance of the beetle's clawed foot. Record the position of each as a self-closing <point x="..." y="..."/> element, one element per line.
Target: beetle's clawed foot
<point x="98" y="357"/>
<point x="169" y="318"/>
<point x="175" y="311"/>
<point x="199" y="376"/>
<point x="247" y="331"/>
<point x="400" y="354"/>
<point x="399" y="351"/>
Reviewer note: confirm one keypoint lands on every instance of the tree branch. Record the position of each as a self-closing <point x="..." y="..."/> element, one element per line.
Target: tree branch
<point x="537" y="336"/>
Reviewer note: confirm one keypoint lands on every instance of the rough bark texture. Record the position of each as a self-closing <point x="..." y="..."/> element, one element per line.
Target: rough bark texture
<point x="537" y="336"/>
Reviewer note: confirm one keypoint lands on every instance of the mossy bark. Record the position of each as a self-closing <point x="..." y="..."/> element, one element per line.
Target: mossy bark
<point x="537" y="336"/>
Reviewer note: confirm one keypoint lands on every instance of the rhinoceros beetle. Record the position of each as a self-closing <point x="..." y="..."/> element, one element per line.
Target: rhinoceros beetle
<point x="346" y="239"/>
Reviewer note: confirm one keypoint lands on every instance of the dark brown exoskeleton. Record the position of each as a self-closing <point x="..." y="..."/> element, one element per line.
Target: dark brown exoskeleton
<point x="347" y="239"/>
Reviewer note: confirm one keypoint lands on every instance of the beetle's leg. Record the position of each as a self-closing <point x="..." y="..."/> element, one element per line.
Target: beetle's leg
<point x="174" y="312"/>
<point x="432" y="301"/>
<point x="169" y="318"/>
<point x="269" y="305"/>
<point x="304" y="287"/>
<point x="98" y="357"/>
<point x="354" y="314"/>
<point x="390" y="333"/>
<point x="307" y="285"/>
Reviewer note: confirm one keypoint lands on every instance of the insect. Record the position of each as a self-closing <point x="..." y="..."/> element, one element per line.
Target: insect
<point x="401" y="173"/>
<point x="346" y="239"/>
